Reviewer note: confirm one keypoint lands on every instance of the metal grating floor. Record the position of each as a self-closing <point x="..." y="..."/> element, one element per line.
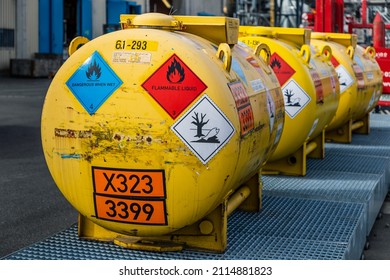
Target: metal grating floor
<point x="325" y="215"/>
<point x="363" y="164"/>
<point x="331" y="186"/>
<point x="379" y="121"/>
<point x="286" y="228"/>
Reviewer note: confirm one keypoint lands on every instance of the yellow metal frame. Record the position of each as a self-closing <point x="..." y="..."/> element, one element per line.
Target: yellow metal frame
<point x="362" y="126"/>
<point x="343" y="134"/>
<point x="340" y="38"/>
<point x="298" y="36"/>
<point x="295" y="163"/>
<point x="215" y="29"/>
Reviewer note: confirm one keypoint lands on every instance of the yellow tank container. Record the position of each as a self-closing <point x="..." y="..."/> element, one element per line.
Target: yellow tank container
<point x="154" y="133"/>
<point x="354" y="94"/>
<point x="311" y="94"/>
<point x="373" y="81"/>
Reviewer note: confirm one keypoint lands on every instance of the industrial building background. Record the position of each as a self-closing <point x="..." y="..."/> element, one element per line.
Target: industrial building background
<point x="39" y="31"/>
<point x="35" y="34"/>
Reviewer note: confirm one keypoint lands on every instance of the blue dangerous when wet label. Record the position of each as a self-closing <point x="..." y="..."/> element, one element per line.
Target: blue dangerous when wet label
<point x="93" y="82"/>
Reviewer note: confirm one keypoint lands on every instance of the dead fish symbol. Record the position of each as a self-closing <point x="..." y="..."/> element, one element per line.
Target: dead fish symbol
<point x="212" y="133"/>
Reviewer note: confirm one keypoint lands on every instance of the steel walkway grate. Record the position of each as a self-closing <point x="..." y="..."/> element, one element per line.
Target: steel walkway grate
<point x="379" y="121"/>
<point x="332" y="186"/>
<point x="286" y="228"/>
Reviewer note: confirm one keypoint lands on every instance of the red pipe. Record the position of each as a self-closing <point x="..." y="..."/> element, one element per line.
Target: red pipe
<point x="329" y="16"/>
<point x="319" y="16"/>
<point x="378" y="32"/>
<point x="364" y="11"/>
<point x="339" y="16"/>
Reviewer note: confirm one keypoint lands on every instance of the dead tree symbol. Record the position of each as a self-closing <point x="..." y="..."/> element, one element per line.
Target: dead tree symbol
<point x="200" y="123"/>
<point x="288" y="94"/>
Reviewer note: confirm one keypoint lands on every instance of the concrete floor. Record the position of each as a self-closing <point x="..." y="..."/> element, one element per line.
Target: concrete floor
<point x="31" y="206"/>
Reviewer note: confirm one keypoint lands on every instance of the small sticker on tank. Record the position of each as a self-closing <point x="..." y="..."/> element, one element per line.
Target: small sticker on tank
<point x="318" y="85"/>
<point x="131" y="57"/>
<point x="359" y="76"/>
<point x="257" y="85"/>
<point x="370" y="75"/>
<point x="244" y="108"/>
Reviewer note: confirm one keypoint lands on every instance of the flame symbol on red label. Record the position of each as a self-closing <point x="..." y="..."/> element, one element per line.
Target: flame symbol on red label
<point x="275" y="63"/>
<point x="175" y="73"/>
<point x="94" y="71"/>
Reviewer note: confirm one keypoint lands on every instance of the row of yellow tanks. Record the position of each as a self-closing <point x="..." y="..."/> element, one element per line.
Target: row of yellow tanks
<point x="157" y="132"/>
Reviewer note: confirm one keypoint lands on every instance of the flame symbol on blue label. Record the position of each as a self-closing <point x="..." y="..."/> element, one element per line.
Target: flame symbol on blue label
<point x="90" y="86"/>
<point x="94" y="71"/>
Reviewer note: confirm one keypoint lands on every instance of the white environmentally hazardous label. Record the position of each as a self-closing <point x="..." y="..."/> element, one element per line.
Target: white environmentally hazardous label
<point x="204" y="128"/>
<point x="295" y="98"/>
<point x="345" y="78"/>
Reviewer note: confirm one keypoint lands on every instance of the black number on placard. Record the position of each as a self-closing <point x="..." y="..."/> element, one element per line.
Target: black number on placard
<point x="122" y="210"/>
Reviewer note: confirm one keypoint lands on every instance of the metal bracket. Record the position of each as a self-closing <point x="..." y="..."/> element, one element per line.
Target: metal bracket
<point x="295" y="163"/>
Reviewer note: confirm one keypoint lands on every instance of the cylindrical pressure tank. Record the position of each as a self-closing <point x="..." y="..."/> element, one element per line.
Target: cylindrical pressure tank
<point x="355" y="89"/>
<point x="342" y="59"/>
<point x="146" y="130"/>
<point x="308" y="80"/>
<point x="373" y="79"/>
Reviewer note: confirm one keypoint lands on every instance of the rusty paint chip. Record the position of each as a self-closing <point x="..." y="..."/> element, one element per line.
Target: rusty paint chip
<point x="70" y="133"/>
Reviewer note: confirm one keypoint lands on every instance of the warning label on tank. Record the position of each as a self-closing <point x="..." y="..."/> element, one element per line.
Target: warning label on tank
<point x="239" y="94"/>
<point x="334" y="61"/>
<point x="174" y="86"/>
<point x="359" y="75"/>
<point x="204" y="129"/>
<point x="93" y="82"/>
<point x="345" y="78"/>
<point x="282" y="69"/>
<point x="318" y="85"/>
<point x="244" y="107"/>
<point x="129" y="196"/>
<point x="295" y="98"/>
